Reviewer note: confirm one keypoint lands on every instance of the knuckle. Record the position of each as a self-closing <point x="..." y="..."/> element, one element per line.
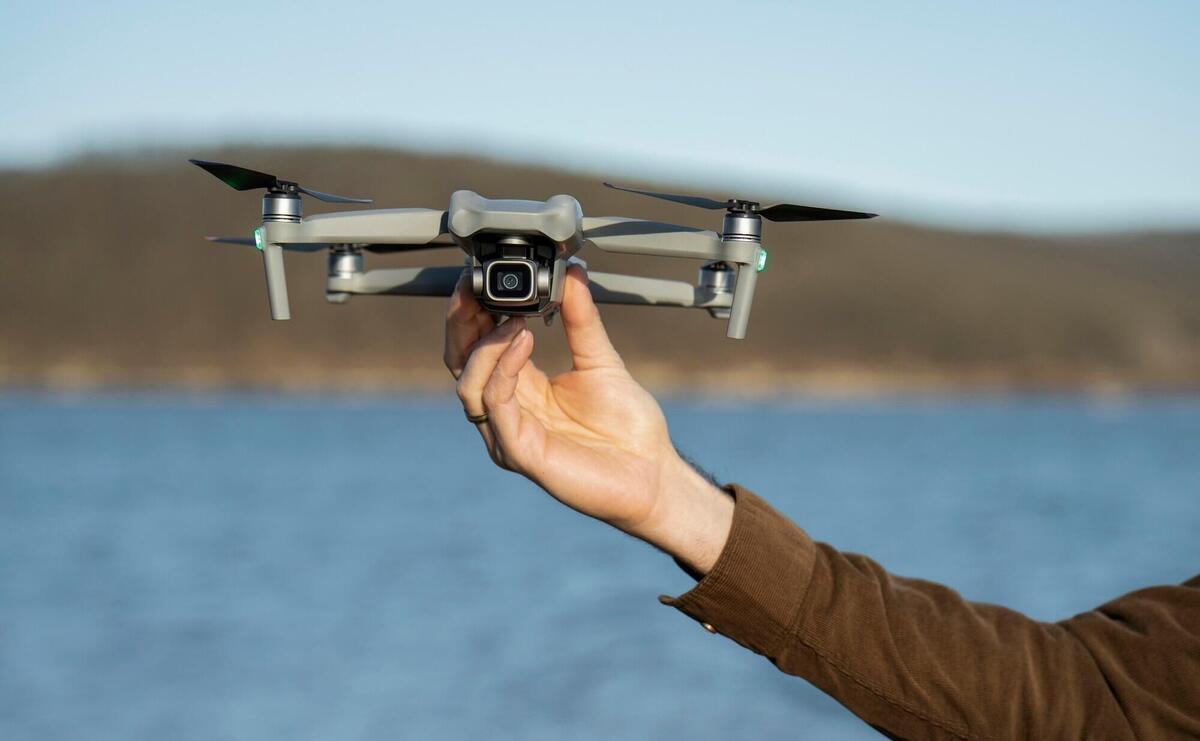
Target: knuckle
<point x="504" y="459"/>
<point x="461" y="389"/>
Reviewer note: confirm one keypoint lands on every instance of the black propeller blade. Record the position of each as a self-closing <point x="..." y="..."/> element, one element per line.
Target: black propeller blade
<point x="781" y="212"/>
<point x="249" y="242"/>
<point x="243" y="178"/>
<point x="244" y="241"/>
<point x="697" y="201"/>
<point x="793" y="212"/>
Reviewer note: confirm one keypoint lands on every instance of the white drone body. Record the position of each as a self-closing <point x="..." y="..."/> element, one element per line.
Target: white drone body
<point x="517" y="251"/>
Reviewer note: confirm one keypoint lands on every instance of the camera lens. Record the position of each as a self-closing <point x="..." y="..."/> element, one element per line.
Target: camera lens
<point x="511" y="281"/>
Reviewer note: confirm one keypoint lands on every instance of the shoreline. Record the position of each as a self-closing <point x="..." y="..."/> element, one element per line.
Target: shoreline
<point x="832" y="383"/>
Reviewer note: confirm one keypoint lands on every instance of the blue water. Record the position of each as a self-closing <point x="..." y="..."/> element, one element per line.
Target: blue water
<point x="257" y="567"/>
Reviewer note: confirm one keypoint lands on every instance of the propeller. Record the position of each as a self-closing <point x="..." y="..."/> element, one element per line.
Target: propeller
<point x="780" y="212"/>
<point x="244" y="241"/>
<point x="379" y="249"/>
<point x="243" y="178"/>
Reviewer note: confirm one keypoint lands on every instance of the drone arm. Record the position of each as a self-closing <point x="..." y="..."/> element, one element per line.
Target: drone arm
<point x="380" y="226"/>
<point x="615" y="234"/>
<point x="638" y="237"/>
<point x="375" y="226"/>
<point x="613" y="288"/>
<point x="434" y="281"/>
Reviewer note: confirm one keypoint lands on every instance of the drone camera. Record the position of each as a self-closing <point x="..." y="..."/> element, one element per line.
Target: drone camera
<point x="513" y="273"/>
<point x="511" y="281"/>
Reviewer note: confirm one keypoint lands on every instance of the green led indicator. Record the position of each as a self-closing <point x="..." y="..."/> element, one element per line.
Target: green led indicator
<point x="762" y="259"/>
<point x="258" y="241"/>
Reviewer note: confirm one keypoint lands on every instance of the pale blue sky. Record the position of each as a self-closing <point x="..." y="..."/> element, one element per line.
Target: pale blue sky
<point x="1056" y="115"/>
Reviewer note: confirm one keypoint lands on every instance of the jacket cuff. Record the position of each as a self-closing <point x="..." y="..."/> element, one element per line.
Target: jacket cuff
<point x="758" y="584"/>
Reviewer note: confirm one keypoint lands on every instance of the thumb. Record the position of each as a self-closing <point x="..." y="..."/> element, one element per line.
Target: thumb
<point x="589" y="343"/>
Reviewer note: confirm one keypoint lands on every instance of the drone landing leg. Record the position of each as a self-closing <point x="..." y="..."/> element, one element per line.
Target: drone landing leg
<point x="277" y="293"/>
<point x="743" y="300"/>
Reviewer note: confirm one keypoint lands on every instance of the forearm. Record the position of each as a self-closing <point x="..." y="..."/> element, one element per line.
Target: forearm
<point x="691" y="517"/>
<point x="918" y="660"/>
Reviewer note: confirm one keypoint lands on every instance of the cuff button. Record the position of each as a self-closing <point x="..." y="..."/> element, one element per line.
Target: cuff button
<point x="709" y="627"/>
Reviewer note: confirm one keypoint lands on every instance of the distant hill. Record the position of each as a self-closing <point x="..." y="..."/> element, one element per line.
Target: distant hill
<point x="105" y="279"/>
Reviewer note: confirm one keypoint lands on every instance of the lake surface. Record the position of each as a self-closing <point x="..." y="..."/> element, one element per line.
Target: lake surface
<point x="300" y="567"/>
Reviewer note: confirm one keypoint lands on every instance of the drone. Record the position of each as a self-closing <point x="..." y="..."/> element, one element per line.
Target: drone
<point x="517" y="251"/>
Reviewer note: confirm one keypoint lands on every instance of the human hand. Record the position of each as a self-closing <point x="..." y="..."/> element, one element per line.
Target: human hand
<point x="592" y="437"/>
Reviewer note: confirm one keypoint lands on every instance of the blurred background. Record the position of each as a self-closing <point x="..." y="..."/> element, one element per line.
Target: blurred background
<point x="217" y="526"/>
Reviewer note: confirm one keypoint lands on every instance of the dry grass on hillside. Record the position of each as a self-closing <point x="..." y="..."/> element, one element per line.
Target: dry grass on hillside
<point x="105" y="278"/>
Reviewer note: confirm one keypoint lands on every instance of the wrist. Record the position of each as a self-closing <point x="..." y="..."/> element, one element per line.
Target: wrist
<point x="691" y="518"/>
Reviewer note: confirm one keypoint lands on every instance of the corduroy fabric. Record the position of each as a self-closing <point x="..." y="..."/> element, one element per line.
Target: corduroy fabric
<point x="755" y="588"/>
<point x="917" y="661"/>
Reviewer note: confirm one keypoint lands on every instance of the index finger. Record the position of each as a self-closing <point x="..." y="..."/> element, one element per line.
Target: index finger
<point x="466" y="323"/>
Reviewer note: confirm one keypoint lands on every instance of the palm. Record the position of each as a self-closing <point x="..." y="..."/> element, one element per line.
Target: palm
<point x="593" y="438"/>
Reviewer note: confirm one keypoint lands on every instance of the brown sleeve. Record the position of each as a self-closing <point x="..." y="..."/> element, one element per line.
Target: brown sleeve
<point x="918" y="661"/>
